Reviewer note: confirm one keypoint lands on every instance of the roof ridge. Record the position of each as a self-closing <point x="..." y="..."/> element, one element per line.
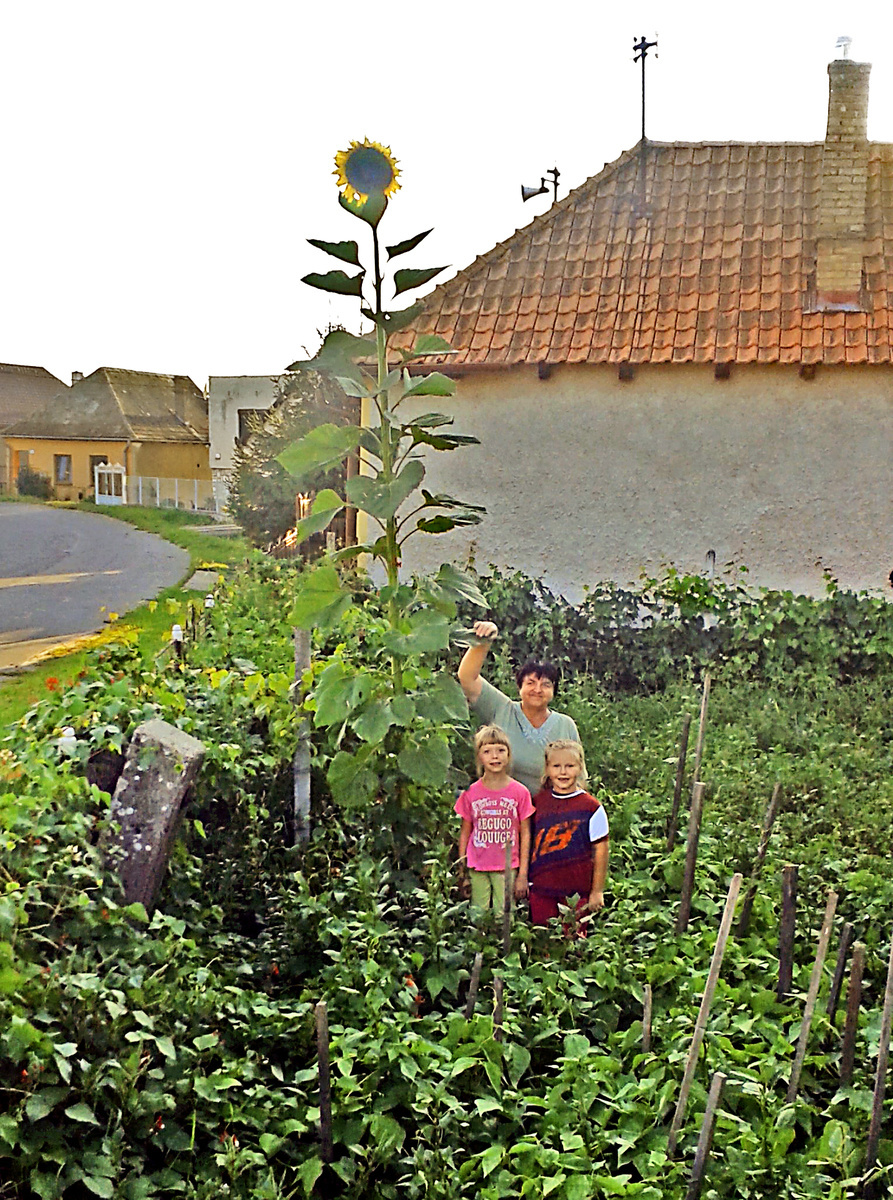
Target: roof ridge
<point x="106" y="372"/>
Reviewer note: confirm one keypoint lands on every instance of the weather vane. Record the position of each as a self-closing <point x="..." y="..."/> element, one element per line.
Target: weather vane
<point x="641" y="47"/>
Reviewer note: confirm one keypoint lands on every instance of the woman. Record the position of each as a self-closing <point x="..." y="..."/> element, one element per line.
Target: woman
<point x="529" y="723"/>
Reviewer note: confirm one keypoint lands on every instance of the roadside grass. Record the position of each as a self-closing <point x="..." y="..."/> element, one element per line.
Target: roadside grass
<point x="149" y="624"/>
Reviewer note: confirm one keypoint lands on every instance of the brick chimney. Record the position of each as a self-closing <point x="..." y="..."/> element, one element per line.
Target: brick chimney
<point x="841" y="224"/>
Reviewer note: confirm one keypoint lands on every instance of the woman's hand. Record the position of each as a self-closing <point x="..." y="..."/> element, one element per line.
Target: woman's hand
<point x="520" y="885"/>
<point x="470" y="667"/>
<point x="464" y="886"/>
<point x="596" y="901"/>
<point x="486" y="629"/>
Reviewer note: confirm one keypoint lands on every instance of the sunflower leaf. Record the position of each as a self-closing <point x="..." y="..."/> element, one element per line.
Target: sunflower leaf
<point x="395" y="321"/>
<point x="410" y="277"/>
<point x="348" y="252"/>
<point x="336" y="281"/>
<point x="371" y="210"/>
<point x="325" y="506"/>
<point x="380" y="499"/>
<point x="434" y="384"/>
<point x="430" y="343"/>
<point x="337" y="354"/>
<point x="323" y="447"/>
<point x="407" y="245"/>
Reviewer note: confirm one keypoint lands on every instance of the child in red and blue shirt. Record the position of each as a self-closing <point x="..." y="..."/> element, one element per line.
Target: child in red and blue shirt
<point x="569" y="852"/>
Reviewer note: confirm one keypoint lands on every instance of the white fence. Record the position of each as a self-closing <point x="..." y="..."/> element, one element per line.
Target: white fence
<point x="153" y="491"/>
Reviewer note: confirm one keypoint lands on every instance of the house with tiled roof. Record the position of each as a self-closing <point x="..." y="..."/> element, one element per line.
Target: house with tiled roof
<point x="154" y="426"/>
<point x="23" y="390"/>
<point x="688" y="356"/>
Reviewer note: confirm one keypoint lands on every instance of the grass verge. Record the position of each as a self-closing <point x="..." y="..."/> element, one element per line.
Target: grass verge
<point x="149" y="624"/>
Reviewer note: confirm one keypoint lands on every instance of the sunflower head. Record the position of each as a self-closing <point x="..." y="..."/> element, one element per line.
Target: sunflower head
<point x="367" y="175"/>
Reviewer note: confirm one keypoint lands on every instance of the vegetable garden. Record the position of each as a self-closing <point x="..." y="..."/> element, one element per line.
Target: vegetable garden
<point x="174" y="1053"/>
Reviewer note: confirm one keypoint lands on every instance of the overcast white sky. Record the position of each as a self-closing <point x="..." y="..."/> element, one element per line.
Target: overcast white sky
<point x="163" y="163"/>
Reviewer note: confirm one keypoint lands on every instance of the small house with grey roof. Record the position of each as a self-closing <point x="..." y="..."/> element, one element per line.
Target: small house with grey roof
<point x="154" y="426"/>
<point x="23" y="391"/>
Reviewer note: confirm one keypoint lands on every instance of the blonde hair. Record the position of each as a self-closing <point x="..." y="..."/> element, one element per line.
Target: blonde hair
<point x="491" y="735"/>
<point x="574" y="748"/>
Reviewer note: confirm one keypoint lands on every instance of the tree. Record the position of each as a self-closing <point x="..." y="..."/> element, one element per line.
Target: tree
<point x="262" y="492"/>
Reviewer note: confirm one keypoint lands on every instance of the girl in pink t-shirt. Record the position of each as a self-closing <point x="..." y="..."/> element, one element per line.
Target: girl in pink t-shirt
<point x="494" y="810"/>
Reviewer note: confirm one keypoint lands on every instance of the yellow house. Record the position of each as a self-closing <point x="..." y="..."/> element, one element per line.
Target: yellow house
<point x="154" y="426"/>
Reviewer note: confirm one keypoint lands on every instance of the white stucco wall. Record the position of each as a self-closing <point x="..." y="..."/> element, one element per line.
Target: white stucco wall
<point x="587" y="478"/>
<point x="226" y="395"/>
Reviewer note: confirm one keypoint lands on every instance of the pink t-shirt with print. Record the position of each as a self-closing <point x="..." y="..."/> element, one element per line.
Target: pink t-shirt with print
<point x="495" y="817"/>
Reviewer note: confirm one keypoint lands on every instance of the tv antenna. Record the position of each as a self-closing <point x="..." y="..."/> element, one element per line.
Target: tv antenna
<point x="527" y="193"/>
<point x="843" y="44"/>
<point x="641" y="47"/>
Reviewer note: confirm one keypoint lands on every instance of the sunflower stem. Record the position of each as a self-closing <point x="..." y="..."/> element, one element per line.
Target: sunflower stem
<point x="392" y="551"/>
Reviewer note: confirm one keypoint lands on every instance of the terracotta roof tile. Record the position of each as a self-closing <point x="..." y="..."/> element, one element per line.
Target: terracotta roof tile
<point x="723" y="269"/>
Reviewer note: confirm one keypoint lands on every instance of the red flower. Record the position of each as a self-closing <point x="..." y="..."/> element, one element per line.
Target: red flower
<point x="51" y="682"/>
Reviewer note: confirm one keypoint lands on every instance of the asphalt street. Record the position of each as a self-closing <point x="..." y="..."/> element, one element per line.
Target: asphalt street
<point x="61" y="571"/>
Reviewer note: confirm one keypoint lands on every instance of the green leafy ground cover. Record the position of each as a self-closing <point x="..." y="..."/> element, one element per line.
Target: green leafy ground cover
<point x="174" y="1054"/>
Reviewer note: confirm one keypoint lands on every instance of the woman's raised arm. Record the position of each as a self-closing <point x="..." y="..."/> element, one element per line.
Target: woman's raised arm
<point x="469" y="671"/>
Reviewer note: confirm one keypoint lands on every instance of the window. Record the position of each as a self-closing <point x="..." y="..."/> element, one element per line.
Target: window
<point x="62" y="468"/>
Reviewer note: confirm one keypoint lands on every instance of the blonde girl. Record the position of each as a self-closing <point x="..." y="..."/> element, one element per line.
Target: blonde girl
<point x="569" y="853"/>
<point x="494" y="810"/>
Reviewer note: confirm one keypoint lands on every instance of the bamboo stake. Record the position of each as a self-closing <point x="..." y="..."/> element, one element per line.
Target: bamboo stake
<point x="704" y="1012"/>
<point x="325" y="1087"/>
<point x="853" y="1000"/>
<point x="301" y="764"/>
<point x="473" y="985"/>
<point x="498" y="992"/>
<point x="705" y="1140"/>
<point x="507" y="902"/>
<point x="880" y="1079"/>
<point x="786" y="932"/>
<point x="702" y="729"/>
<point x="673" y="827"/>
<point x="691" y="856"/>
<point x="646" y="1020"/>
<point x="811" y="995"/>
<point x="846" y="940"/>
<point x="765" y="834"/>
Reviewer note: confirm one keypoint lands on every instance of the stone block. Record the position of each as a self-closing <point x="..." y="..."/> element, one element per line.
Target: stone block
<point x="161" y="765"/>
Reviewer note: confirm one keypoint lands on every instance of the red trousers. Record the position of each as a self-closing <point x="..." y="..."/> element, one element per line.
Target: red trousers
<point x="543" y="908"/>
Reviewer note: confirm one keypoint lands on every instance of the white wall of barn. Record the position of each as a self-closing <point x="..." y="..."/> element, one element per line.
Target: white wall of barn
<point x="588" y="478"/>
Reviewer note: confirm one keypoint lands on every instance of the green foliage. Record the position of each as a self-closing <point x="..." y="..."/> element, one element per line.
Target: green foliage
<point x="173" y="1053"/>
<point x="33" y="483"/>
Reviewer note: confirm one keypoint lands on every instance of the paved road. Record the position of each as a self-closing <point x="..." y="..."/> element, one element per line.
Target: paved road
<point x="58" y="568"/>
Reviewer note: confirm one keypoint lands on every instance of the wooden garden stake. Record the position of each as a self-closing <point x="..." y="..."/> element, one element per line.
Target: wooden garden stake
<point x="811" y="995"/>
<point x="702" y="730"/>
<point x="691" y="857"/>
<point x="880" y="1079"/>
<point x="768" y="822"/>
<point x="498" y="992"/>
<point x="786" y="932"/>
<point x="473" y="986"/>
<point x="325" y="1087"/>
<point x="704" y="1012"/>
<point x="680" y="777"/>
<point x="301" y="764"/>
<point x="853" y="1000"/>
<point x="705" y="1140"/>
<point x="846" y="940"/>
<point x="507" y="902"/>
<point x="646" y="1020"/>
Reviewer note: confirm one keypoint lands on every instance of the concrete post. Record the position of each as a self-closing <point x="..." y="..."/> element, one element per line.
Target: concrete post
<point x="161" y="764"/>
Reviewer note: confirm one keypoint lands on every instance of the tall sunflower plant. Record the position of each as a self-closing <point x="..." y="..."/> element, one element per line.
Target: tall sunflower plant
<point x="390" y="725"/>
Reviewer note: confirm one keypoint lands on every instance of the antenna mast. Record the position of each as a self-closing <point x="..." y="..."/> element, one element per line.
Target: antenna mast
<point x="641" y="47"/>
